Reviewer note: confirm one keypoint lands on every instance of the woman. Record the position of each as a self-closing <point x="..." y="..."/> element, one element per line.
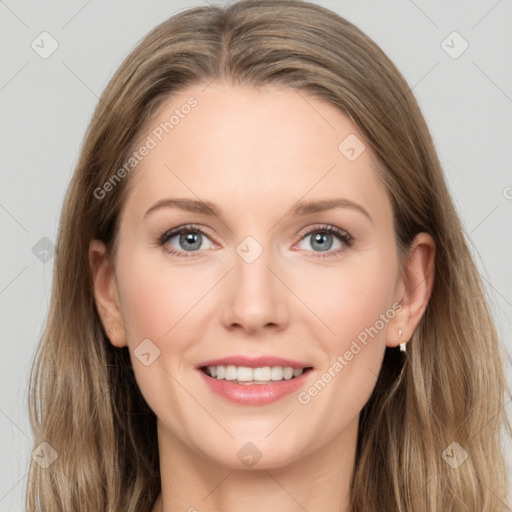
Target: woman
<point x="263" y="297"/>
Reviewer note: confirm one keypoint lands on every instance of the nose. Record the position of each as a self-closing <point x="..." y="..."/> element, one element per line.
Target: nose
<point x="255" y="298"/>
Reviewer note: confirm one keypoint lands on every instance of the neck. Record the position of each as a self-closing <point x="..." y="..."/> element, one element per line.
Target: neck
<point x="317" y="481"/>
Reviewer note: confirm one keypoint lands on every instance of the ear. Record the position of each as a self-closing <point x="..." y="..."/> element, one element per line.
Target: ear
<point x="106" y="294"/>
<point x="414" y="288"/>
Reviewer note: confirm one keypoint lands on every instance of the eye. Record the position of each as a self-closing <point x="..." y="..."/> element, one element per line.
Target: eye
<point x="322" y="239"/>
<point x="185" y="239"/>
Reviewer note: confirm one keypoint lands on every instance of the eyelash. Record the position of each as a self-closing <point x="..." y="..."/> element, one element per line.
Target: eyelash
<point x="342" y="235"/>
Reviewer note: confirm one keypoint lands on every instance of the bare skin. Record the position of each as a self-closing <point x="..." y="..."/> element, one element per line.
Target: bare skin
<point x="255" y="153"/>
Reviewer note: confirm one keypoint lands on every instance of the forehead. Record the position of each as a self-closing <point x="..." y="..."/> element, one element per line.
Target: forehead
<point x="253" y="148"/>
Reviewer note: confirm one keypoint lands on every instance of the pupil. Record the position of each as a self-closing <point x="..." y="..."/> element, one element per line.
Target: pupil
<point x="320" y="238"/>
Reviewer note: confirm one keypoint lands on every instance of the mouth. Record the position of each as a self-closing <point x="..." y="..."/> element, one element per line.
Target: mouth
<point x="255" y="385"/>
<point x="248" y="375"/>
<point x="255" y="380"/>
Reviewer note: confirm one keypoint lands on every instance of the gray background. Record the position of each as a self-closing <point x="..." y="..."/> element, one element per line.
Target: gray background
<point x="47" y="103"/>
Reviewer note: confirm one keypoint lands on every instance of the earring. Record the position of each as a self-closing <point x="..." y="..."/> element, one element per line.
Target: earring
<point x="111" y="330"/>
<point x="403" y="346"/>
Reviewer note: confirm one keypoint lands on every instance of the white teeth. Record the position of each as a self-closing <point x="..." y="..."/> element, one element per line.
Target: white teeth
<point x="231" y="372"/>
<point x="276" y="372"/>
<point x="243" y="373"/>
<point x="248" y="374"/>
<point x="219" y="370"/>
<point x="288" y="373"/>
<point x="261" y="373"/>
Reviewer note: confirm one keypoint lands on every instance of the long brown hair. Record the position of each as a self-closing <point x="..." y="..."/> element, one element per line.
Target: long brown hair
<point x="84" y="400"/>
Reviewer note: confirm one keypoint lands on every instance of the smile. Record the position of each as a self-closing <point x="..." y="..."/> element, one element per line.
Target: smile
<point x="258" y="386"/>
<point x="247" y="375"/>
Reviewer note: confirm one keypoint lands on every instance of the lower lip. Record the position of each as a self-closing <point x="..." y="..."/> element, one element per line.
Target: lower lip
<point x="254" y="394"/>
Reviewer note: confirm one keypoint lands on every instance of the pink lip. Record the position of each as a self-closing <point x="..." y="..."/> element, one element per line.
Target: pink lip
<point x="255" y="394"/>
<point x="254" y="362"/>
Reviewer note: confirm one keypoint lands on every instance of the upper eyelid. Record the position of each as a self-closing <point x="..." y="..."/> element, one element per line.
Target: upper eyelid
<point x="171" y="233"/>
<point x="325" y="227"/>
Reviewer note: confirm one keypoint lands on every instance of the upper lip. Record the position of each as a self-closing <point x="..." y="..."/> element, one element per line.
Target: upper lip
<point x="254" y="362"/>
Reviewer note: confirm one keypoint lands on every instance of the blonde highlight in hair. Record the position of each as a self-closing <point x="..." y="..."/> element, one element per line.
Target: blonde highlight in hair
<point x="84" y="400"/>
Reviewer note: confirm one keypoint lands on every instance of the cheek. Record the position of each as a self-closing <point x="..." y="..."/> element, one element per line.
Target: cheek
<point x="161" y="303"/>
<point x="363" y="297"/>
<point x="355" y="304"/>
<point x="154" y="296"/>
<point x="352" y="297"/>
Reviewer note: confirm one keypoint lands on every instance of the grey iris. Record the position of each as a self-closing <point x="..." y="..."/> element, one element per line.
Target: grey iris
<point x="194" y="239"/>
<point x="320" y="238"/>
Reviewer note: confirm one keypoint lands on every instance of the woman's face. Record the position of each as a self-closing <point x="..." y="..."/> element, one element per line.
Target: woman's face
<point x="263" y="278"/>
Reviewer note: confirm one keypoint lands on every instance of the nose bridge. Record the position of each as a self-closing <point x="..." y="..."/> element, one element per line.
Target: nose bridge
<point x="256" y="296"/>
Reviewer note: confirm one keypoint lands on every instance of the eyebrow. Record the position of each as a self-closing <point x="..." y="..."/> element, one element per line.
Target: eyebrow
<point x="189" y="205"/>
<point x="300" y="209"/>
<point x="306" y="208"/>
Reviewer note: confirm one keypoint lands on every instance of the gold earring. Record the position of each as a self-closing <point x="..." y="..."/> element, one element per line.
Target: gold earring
<point x="403" y="346"/>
